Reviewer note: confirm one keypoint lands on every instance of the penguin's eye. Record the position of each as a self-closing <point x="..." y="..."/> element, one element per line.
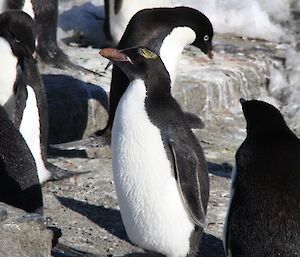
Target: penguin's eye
<point x="206" y="37"/>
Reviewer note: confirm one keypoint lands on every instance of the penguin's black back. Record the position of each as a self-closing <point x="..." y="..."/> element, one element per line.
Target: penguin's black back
<point x="19" y="183"/>
<point x="264" y="217"/>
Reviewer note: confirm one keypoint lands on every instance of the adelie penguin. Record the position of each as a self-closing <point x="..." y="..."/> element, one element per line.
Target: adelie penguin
<point x="159" y="168"/>
<point x="264" y="213"/>
<point x="44" y="13"/>
<point x="22" y="91"/>
<point x="19" y="183"/>
<point x="119" y="12"/>
<point x="166" y="31"/>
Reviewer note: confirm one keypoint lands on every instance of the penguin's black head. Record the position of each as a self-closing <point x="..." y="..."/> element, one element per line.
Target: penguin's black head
<point x="19" y="30"/>
<point x="150" y="27"/>
<point x="203" y="28"/>
<point x="262" y="118"/>
<point x="138" y="63"/>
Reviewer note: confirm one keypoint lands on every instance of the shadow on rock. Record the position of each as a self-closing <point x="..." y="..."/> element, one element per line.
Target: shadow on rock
<point x="211" y="246"/>
<point x="220" y="170"/>
<point x="75" y="108"/>
<point x="107" y="218"/>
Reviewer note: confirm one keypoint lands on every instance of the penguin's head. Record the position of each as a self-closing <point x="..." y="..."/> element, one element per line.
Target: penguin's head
<point x="151" y="27"/>
<point x="203" y="29"/>
<point x="137" y="63"/>
<point x="19" y="30"/>
<point x="262" y="118"/>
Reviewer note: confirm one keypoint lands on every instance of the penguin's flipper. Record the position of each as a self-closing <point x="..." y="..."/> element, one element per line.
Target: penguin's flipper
<point x="193" y="120"/>
<point x="186" y="173"/>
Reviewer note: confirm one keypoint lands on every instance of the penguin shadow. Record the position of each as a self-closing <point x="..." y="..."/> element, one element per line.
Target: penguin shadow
<point x="69" y="101"/>
<point x="107" y="218"/>
<point x="220" y="170"/>
<point x="89" y="18"/>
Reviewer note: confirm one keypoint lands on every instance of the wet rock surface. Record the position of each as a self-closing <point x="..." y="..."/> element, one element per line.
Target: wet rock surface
<point x="23" y="234"/>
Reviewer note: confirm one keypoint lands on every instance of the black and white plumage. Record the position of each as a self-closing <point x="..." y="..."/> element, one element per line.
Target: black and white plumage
<point x="45" y="14"/>
<point x="119" y="12"/>
<point x="264" y="212"/>
<point x="23" y="93"/>
<point x="19" y="183"/>
<point x="167" y="31"/>
<point x="159" y="167"/>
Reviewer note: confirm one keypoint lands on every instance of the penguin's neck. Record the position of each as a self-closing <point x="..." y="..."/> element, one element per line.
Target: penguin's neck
<point x="8" y="75"/>
<point x="172" y="47"/>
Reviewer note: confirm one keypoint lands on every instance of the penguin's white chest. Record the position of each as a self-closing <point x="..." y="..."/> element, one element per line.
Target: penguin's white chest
<point x="150" y="203"/>
<point x="8" y="75"/>
<point x="30" y="130"/>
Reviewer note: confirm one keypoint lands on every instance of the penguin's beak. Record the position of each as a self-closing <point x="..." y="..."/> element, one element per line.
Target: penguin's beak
<point x="114" y="55"/>
<point x="210" y="54"/>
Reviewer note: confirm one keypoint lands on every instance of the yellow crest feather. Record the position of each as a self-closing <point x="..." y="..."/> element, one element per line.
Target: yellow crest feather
<point x="147" y="53"/>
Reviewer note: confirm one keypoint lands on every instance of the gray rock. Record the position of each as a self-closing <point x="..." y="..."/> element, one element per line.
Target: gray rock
<point x="23" y="234"/>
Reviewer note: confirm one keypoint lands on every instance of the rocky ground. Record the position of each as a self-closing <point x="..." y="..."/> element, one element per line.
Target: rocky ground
<point x="85" y="206"/>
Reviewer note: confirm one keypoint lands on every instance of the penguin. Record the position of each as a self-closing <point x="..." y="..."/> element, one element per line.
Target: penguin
<point x="119" y="12"/>
<point x="45" y="14"/>
<point x="25" y="98"/>
<point x="159" y="168"/>
<point x="167" y="31"/>
<point x="264" y="214"/>
<point x="19" y="183"/>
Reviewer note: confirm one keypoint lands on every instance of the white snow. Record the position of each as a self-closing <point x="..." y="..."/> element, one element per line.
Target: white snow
<point x="247" y="18"/>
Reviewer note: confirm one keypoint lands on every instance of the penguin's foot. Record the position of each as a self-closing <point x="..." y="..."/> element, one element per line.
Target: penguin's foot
<point x="55" y="57"/>
<point x="59" y="173"/>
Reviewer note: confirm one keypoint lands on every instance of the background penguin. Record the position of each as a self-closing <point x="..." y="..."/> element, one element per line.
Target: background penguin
<point x="167" y="31"/>
<point x="119" y="12"/>
<point x="44" y="13"/>
<point x="264" y="214"/>
<point x="159" y="167"/>
<point x="19" y="183"/>
<point x="25" y="98"/>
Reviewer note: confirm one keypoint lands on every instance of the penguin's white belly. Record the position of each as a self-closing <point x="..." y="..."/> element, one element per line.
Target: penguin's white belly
<point x="30" y="130"/>
<point x="8" y="75"/>
<point x="150" y="203"/>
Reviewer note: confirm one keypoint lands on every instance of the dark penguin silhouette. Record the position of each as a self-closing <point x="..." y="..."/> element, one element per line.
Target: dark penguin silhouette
<point x="264" y="212"/>
<point x="19" y="183"/>
<point x="44" y="13"/>
<point x="167" y="31"/>
<point x="23" y="93"/>
<point x="158" y="165"/>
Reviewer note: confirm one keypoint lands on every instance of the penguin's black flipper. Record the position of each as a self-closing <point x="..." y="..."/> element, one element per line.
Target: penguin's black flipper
<point x="187" y="175"/>
<point x="193" y="120"/>
<point x="59" y="173"/>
